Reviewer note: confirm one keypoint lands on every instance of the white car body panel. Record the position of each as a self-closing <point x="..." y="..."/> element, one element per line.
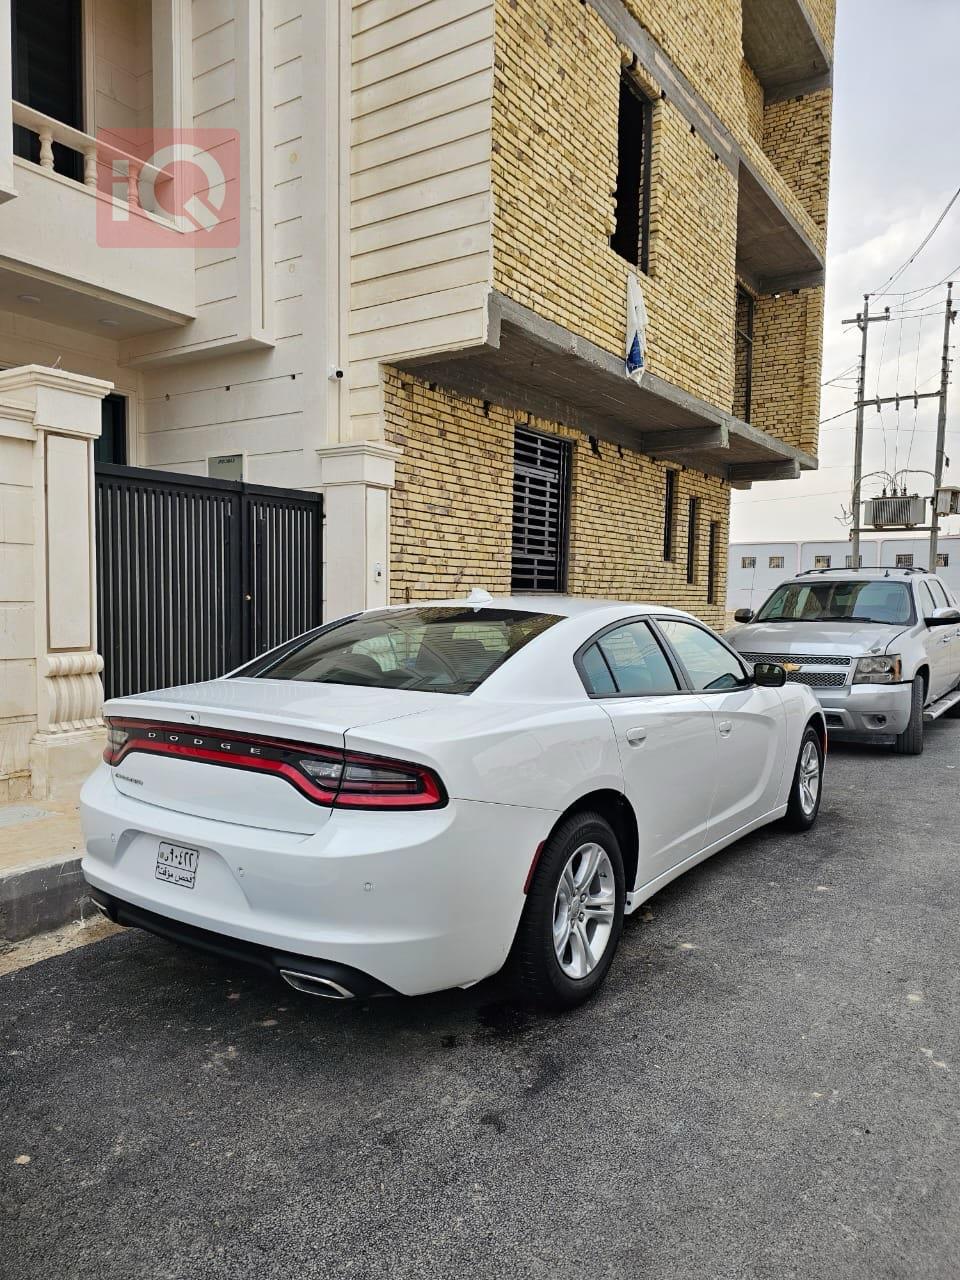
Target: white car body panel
<point x="679" y="739"/>
<point x="423" y="900"/>
<point x="751" y="743"/>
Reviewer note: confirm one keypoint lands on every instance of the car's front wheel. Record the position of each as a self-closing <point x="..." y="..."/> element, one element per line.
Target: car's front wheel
<point x="571" y="925"/>
<point x="804" y="803"/>
<point x="910" y="742"/>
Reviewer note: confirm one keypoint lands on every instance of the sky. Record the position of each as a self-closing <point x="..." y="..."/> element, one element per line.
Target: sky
<point x="895" y="166"/>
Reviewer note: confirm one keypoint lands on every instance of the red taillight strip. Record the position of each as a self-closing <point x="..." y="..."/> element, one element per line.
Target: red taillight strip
<point x="365" y="796"/>
<point x="255" y="765"/>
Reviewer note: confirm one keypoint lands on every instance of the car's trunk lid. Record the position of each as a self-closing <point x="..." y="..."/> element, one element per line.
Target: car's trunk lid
<point x="249" y="712"/>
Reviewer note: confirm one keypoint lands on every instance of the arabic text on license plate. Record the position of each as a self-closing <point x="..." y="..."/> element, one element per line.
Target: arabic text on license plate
<point x="177" y="865"/>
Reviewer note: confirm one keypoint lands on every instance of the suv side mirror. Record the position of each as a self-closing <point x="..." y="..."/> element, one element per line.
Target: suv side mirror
<point x="943" y="618"/>
<point x="769" y="675"/>
<point x="743" y="615"/>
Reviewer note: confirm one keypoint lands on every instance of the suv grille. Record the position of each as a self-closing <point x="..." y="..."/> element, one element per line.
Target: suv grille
<point x="818" y="679"/>
<point x="804" y="659"/>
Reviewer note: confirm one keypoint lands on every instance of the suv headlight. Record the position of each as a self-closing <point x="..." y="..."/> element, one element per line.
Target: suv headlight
<point x="883" y="669"/>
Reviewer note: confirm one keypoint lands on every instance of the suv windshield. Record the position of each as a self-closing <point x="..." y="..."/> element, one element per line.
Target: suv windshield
<point x="876" y="600"/>
<point x="442" y="650"/>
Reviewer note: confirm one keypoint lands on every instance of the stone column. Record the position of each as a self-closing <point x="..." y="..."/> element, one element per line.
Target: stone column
<point x="356" y="477"/>
<point x="51" y="694"/>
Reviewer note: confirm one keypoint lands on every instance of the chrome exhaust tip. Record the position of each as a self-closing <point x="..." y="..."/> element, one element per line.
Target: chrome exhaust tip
<point x="311" y="985"/>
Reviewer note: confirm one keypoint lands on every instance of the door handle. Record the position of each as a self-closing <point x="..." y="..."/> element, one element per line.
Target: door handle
<point x="724" y="728"/>
<point x="636" y="737"/>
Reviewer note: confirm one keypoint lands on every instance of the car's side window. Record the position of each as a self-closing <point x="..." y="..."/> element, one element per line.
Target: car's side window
<point x="710" y="664"/>
<point x="628" y="661"/>
<point x="927" y="602"/>
<point x="938" y="593"/>
<point x="596" y="673"/>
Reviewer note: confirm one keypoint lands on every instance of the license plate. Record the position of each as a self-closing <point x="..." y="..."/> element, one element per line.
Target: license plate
<point x="177" y="865"/>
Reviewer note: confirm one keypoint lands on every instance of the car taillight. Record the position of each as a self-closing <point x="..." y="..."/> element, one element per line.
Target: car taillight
<point x="369" y="782"/>
<point x="116" y="741"/>
<point x="325" y="775"/>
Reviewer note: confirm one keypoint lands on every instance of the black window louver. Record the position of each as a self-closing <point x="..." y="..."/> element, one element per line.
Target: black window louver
<point x="541" y="482"/>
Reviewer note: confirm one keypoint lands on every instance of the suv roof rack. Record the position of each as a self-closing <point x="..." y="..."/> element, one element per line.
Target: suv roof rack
<point x="868" y="568"/>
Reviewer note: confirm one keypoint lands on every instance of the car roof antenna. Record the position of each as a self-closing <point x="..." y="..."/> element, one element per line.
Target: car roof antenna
<point x="479" y="596"/>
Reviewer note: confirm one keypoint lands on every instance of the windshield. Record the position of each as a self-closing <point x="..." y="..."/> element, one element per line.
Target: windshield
<point x="440" y="650"/>
<point x="878" y="600"/>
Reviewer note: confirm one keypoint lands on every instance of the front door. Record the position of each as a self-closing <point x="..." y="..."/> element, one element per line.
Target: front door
<point x="749" y="724"/>
<point x="666" y="739"/>
<point x="939" y="642"/>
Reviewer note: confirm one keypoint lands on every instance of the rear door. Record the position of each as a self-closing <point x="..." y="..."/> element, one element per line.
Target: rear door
<point x="944" y="599"/>
<point x="748" y="722"/>
<point x="938" y="641"/>
<point x="666" y="739"/>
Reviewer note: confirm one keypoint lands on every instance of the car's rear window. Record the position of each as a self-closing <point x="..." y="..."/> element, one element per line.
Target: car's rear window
<point x="442" y="650"/>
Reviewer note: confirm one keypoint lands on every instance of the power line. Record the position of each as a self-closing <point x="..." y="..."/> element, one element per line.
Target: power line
<point x="920" y="247"/>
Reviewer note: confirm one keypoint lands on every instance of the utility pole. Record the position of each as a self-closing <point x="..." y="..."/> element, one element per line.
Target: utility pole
<point x="863" y="322"/>
<point x="941" y="428"/>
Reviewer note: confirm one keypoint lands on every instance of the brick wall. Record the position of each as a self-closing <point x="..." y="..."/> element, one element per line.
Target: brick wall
<point x="556" y="89"/>
<point x="824" y="14"/>
<point x="796" y="137"/>
<point x="704" y="39"/>
<point x="451" y="508"/>
<point x="787" y="345"/>
<point x="753" y="97"/>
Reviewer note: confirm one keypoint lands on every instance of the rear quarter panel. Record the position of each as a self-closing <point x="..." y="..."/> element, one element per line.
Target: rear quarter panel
<point x="545" y="756"/>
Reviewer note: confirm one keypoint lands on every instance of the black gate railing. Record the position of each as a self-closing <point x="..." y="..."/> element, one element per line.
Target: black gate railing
<point x="196" y="576"/>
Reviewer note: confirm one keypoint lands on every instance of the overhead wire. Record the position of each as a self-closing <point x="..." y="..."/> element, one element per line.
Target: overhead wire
<point x="916" y="403"/>
<point x="878" y="293"/>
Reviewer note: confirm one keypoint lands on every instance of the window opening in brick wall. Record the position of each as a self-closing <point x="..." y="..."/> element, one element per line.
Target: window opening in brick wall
<point x="693" y="534"/>
<point x="743" y="356"/>
<point x="541" y="500"/>
<point x="631" y="235"/>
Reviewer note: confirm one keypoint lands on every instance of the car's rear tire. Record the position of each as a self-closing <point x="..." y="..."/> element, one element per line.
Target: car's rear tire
<point x="803" y="806"/>
<point x="910" y="742"/>
<point x="573" y="918"/>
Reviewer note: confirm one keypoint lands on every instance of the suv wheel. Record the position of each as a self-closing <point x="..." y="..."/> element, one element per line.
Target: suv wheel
<point x="910" y="742"/>
<point x="804" y="803"/>
<point x="571" y="925"/>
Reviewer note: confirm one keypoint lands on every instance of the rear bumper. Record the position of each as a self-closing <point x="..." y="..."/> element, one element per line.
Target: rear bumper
<point x="276" y="963"/>
<point x="875" y="711"/>
<point x="413" y="902"/>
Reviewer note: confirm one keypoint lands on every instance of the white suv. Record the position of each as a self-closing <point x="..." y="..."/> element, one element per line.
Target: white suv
<point x="880" y="648"/>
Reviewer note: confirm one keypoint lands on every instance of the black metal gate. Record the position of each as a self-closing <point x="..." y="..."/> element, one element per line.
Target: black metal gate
<point x="196" y="576"/>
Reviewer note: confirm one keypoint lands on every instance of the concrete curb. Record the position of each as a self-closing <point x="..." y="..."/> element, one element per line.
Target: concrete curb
<point x="39" y="898"/>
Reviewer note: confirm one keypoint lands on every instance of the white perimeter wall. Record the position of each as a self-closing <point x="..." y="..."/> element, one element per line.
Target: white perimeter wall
<point x="747" y="588"/>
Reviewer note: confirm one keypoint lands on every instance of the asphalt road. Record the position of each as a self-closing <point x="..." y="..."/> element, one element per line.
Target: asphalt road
<point x="767" y="1086"/>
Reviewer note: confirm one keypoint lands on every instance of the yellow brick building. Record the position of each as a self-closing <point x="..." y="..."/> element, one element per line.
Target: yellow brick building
<point x="513" y="163"/>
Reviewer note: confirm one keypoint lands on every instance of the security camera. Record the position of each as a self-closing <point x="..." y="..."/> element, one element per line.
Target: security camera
<point x="335" y="373"/>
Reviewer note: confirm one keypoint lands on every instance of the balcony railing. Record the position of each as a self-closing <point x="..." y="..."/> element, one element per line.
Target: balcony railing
<point x="96" y="152"/>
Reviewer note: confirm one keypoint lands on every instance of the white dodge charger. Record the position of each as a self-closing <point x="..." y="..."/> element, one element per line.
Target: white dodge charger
<point x="410" y="798"/>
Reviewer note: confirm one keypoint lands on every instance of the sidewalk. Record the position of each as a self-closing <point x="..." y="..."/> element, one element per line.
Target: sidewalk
<point x="40" y="883"/>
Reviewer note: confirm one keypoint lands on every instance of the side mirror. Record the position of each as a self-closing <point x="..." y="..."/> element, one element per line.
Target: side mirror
<point x="769" y="675"/>
<point x="743" y="615"/>
<point x="943" y="618"/>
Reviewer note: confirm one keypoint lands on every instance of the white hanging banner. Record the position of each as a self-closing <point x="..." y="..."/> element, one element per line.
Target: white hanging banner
<point x="636" y="348"/>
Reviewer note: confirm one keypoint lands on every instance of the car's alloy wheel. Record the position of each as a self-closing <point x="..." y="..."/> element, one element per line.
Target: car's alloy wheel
<point x="571" y="923"/>
<point x="806" y="791"/>
<point x="583" y="910"/>
<point x="808" y="777"/>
